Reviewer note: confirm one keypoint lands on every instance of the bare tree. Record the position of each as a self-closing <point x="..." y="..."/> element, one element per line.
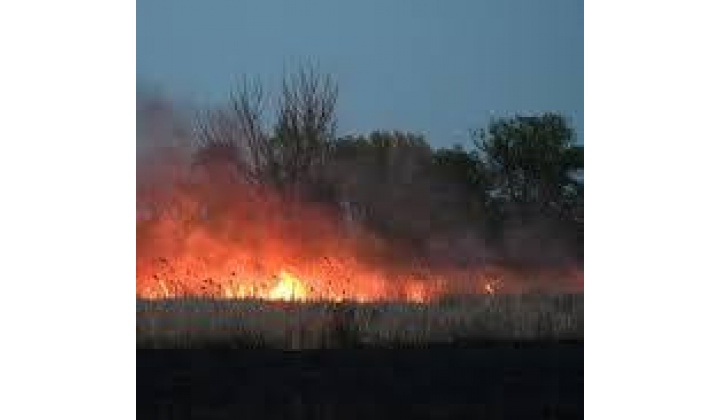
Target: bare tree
<point x="236" y="135"/>
<point x="305" y="127"/>
<point x="294" y="155"/>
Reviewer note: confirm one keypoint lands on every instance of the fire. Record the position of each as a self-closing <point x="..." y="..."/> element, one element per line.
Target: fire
<point x="238" y="240"/>
<point x="489" y="288"/>
<point x="288" y="287"/>
<point x="164" y="289"/>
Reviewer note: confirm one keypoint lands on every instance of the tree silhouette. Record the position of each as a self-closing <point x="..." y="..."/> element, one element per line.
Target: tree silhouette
<point x="532" y="162"/>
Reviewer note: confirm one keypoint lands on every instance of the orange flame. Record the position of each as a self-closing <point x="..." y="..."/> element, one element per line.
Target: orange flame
<point x="288" y="287"/>
<point x="247" y="241"/>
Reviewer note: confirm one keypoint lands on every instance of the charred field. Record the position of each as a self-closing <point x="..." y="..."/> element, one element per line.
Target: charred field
<point x="485" y="356"/>
<point x="536" y="380"/>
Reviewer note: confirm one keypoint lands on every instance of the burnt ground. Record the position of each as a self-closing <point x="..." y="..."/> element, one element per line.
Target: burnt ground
<point x="501" y="381"/>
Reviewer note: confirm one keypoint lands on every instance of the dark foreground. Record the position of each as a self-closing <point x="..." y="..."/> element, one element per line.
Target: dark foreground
<point x="499" y="381"/>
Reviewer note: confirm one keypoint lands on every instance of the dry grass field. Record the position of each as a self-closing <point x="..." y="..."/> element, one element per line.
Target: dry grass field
<point x="458" y="320"/>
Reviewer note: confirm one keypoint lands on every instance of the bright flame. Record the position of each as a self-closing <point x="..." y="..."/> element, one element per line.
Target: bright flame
<point x="165" y="292"/>
<point x="492" y="286"/>
<point x="288" y="287"/>
<point x="416" y="292"/>
<point x="233" y="239"/>
<point x="238" y="291"/>
<point x="489" y="288"/>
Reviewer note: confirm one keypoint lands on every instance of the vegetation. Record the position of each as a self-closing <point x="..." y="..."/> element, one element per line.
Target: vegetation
<point x="514" y="198"/>
<point x="517" y="192"/>
<point x="208" y="323"/>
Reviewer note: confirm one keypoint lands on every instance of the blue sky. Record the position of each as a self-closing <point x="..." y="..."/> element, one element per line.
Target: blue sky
<point x="430" y="66"/>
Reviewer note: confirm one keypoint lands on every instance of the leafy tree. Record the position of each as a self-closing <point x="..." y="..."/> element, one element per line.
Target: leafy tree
<point x="533" y="163"/>
<point x="533" y="166"/>
<point x="523" y="172"/>
<point x="467" y="171"/>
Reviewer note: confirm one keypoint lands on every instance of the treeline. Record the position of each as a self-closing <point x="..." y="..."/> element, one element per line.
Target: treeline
<point x="518" y="190"/>
<point x="515" y="196"/>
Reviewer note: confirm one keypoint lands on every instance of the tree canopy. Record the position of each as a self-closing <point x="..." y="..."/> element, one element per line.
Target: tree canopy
<point x="517" y="190"/>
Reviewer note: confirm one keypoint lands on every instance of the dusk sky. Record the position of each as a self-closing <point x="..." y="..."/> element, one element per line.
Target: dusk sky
<point x="435" y="67"/>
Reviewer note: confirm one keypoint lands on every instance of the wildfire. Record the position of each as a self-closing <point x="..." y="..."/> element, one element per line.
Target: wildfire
<point x="490" y="288"/>
<point x="243" y="241"/>
<point x="288" y="287"/>
<point x="164" y="289"/>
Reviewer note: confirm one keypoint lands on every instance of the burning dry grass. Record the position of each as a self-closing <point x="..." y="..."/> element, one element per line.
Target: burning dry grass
<point x="459" y="320"/>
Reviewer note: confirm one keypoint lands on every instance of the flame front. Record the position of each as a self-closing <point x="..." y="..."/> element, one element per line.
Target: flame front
<point x="236" y="240"/>
<point x="288" y="287"/>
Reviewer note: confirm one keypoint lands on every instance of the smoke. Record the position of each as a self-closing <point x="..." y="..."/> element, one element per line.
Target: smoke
<point x="389" y="228"/>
